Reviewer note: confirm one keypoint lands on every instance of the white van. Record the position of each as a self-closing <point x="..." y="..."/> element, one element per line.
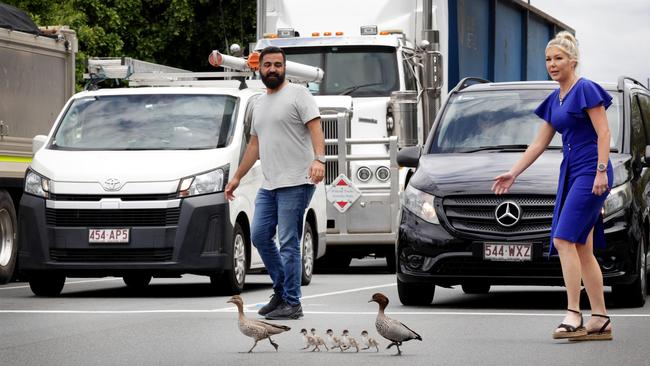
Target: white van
<point x="130" y="181"/>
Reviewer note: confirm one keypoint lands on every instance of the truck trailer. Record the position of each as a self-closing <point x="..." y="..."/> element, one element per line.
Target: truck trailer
<point x="37" y="76"/>
<point x="395" y="61"/>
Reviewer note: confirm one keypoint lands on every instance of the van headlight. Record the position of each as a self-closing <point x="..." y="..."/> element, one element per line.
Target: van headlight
<point x="420" y="204"/>
<point x="204" y="183"/>
<point x="618" y="199"/>
<point x="37" y="184"/>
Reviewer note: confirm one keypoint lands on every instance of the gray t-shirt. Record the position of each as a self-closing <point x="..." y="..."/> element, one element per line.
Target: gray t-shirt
<point x="286" y="150"/>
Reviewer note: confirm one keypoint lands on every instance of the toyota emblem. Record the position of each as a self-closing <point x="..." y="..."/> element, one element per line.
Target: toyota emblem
<point x="507" y="213"/>
<point x="112" y="184"/>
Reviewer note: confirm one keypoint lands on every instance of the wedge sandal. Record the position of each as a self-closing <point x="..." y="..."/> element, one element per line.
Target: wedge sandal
<point x="601" y="334"/>
<point x="571" y="331"/>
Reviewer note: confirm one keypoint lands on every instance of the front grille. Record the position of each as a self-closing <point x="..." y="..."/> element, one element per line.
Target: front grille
<point x="112" y="218"/>
<point x="476" y="214"/>
<point x="469" y="266"/>
<point x="111" y="255"/>
<point x="330" y="130"/>
<point x="124" y="197"/>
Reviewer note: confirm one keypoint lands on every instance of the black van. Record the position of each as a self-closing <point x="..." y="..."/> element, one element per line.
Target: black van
<point x="453" y="230"/>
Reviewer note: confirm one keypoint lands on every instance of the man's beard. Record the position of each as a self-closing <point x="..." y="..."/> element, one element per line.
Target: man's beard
<point x="273" y="80"/>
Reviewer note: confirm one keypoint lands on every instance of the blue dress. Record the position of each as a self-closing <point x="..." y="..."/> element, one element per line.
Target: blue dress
<point x="577" y="210"/>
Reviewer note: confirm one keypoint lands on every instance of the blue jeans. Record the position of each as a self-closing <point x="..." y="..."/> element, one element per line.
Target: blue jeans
<point x="284" y="208"/>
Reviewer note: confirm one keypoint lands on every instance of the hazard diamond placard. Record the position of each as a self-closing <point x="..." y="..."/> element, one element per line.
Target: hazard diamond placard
<point x="342" y="193"/>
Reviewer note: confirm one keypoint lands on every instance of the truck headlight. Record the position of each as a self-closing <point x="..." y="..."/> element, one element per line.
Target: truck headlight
<point x="364" y="174"/>
<point x="420" y="204"/>
<point x="37" y="184"/>
<point x="618" y="199"/>
<point x="208" y="182"/>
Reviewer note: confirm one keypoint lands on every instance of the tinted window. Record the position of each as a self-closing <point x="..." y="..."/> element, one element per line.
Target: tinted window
<point x="147" y="122"/>
<point x="351" y="70"/>
<point x="476" y="119"/>
<point x="644" y="102"/>
<point x="638" y="131"/>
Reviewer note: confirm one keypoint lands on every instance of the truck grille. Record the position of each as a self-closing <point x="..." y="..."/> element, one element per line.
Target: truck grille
<point x="111" y="255"/>
<point x="112" y="218"/>
<point x="330" y="130"/>
<point x="477" y="214"/>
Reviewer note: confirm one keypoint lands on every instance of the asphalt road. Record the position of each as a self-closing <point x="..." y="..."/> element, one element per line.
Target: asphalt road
<point x="179" y="322"/>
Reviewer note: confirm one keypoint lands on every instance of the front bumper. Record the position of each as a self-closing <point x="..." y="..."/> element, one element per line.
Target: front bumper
<point x="428" y="253"/>
<point x="192" y="238"/>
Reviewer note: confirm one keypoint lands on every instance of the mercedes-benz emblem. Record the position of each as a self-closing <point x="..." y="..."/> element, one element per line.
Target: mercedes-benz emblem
<point x="507" y="213"/>
<point x="112" y="184"/>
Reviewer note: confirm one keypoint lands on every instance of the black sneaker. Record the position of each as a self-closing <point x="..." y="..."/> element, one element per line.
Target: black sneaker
<point x="276" y="300"/>
<point x="285" y="311"/>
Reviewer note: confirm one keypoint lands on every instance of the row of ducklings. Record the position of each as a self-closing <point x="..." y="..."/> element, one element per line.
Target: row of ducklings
<point x="391" y="329"/>
<point x="331" y="341"/>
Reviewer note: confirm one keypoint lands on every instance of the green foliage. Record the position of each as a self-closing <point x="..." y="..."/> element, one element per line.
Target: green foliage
<point x="178" y="33"/>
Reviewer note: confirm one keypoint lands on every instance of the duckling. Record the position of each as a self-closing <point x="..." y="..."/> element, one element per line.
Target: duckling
<point x="348" y="341"/>
<point x="318" y="340"/>
<point x="308" y="339"/>
<point x="254" y="328"/>
<point x="334" y="341"/>
<point x="391" y="329"/>
<point x="368" y="341"/>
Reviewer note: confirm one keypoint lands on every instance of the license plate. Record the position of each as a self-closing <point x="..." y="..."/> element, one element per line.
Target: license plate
<point x="508" y="252"/>
<point x="108" y="235"/>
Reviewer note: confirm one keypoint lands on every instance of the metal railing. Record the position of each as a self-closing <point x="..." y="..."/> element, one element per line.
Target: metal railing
<point x="390" y="191"/>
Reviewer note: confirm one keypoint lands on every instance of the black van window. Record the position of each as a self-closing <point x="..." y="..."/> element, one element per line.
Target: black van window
<point x="644" y="102"/>
<point x="638" y="137"/>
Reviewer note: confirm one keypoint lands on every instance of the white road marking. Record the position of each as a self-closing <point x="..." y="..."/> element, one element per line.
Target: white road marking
<point x="67" y="283"/>
<point x="348" y="313"/>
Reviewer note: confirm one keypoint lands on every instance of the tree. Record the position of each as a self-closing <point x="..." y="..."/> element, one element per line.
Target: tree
<point x="178" y="33"/>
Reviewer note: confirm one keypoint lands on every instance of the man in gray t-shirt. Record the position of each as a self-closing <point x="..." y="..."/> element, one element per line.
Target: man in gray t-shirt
<point x="286" y="136"/>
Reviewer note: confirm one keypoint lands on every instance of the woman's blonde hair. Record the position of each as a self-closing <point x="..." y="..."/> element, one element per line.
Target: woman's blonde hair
<point x="566" y="42"/>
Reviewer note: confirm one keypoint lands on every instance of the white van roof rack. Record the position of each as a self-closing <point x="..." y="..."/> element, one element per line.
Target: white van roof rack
<point x="142" y="73"/>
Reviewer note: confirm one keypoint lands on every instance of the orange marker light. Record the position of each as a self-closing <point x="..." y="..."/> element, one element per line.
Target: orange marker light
<point x="315" y="34"/>
<point x="339" y="33"/>
<point x="384" y="33"/>
<point x="327" y="34"/>
<point x="253" y="61"/>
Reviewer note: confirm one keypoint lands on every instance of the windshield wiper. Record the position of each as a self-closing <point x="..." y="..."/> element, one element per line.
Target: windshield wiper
<point x="352" y="89"/>
<point x="498" y="147"/>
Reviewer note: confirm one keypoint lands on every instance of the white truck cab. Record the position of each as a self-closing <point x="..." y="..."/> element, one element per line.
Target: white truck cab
<point x="129" y="182"/>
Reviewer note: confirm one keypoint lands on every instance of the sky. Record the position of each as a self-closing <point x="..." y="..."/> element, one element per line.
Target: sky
<point x="613" y="35"/>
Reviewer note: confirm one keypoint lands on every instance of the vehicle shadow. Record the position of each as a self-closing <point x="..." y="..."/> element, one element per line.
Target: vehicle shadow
<point x="162" y="290"/>
<point x="502" y="298"/>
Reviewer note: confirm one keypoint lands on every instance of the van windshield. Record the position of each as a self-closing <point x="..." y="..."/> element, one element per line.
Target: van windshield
<point x="350" y="70"/>
<point x="147" y="122"/>
<point x="475" y="121"/>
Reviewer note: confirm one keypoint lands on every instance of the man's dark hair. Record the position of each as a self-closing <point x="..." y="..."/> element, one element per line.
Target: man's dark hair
<point x="272" y="49"/>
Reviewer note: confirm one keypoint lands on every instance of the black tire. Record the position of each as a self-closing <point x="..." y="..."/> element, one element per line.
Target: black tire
<point x="475" y="288"/>
<point x="46" y="284"/>
<point x="634" y="294"/>
<point x="8" y="238"/>
<point x="232" y="280"/>
<point x="415" y="293"/>
<point x="136" y="281"/>
<point x="308" y="254"/>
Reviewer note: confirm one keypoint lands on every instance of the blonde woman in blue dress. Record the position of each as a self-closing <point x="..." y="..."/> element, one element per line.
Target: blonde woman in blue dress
<point x="577" y="111"/>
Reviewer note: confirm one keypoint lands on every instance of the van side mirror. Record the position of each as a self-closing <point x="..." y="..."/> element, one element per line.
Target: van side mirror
<point x="38" y="142"/>
<point x="409" y="157"/>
